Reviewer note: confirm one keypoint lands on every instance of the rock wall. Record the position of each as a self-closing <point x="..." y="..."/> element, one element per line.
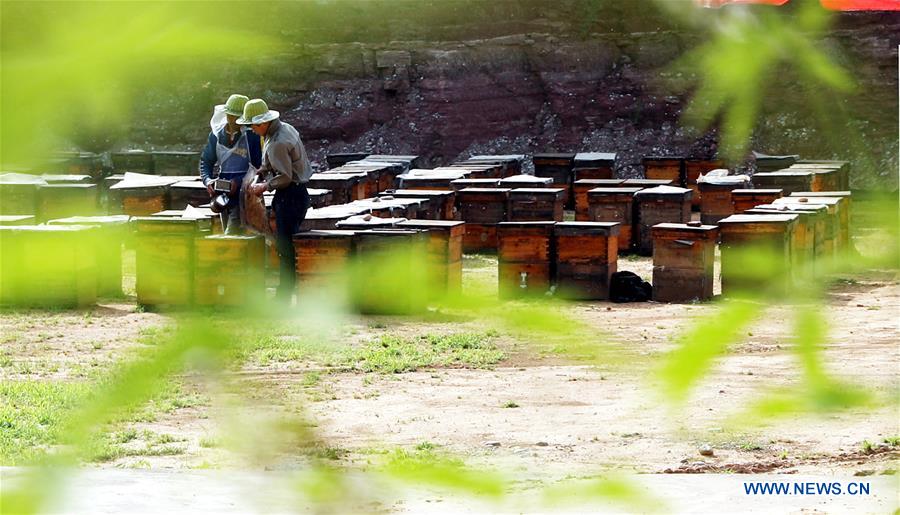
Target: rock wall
<point x="449" y="79"/>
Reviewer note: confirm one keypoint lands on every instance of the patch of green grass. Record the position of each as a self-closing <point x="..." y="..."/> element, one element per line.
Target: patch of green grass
<point x="510" y="404"/>
<point x="32" y="414"/>
<point x="329" y="453"/>
<point x="265" y="349"/>
<point x="154" y="335"/>
<point x="750" y="446"/>
<point x="867" y="447"/>
<point x="10" y="337"/>
<point x="426" y="446"/>
<point x="893" y="441"/>
<point x="210" y="443"/>
<point x="310" y="379"/>
<point x="396" y="354"/>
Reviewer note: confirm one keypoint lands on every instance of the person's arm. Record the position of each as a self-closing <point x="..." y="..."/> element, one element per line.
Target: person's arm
<point x="281" y="164"/>
<point x="208" y="159"/>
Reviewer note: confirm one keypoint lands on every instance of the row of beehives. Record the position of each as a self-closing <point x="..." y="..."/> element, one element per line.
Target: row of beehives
<point x="764" y="248"/>
<point x="159" y="162"/>
<point x="73" y="261"/>
<point x="181" y="261"/>
<point x="53" y="196"/>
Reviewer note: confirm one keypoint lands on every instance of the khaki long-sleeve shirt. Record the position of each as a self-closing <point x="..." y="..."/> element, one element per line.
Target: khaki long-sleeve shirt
<point x="284" y="157"/>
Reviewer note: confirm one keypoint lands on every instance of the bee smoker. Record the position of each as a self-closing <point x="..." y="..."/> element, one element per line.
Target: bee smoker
<point x="223" y="188"/>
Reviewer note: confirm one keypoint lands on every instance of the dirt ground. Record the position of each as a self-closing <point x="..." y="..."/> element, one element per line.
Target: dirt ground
<point x="536" y="413"/>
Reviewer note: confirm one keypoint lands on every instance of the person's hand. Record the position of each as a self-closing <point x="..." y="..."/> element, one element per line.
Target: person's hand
<point x="258" y="189"/>
<point x="209" y="188"/>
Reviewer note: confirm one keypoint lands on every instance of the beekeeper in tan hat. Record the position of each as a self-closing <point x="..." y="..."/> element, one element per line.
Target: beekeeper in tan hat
<point x="285" y="170"/>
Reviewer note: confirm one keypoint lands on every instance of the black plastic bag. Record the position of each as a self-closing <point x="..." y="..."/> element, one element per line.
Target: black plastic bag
<point x="629" y="287"/>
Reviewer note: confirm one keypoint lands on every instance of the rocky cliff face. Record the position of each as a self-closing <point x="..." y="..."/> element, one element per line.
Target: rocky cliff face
<point x="510" y="77"/>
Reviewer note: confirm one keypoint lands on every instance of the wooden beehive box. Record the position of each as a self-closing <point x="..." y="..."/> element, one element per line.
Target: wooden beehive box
<point x="142" y="200"/>
<point x="525" y="256"/>
<point x="594" y="165"/>
<point x="482" y="205"/>
<point x="327" y="217"/>
<point x="81" y="163"/>
<point x="525" y="181"/>
<point x="756" y="253"/>
<point x="669" y="169"/>
<point x="229" y="270"/>
<point x="662" y="204"/>
<point x="461" y="184"/>
<point x="364" y="222"/>
<point x="187" y="193"/>
<point x="824" y="229"/>
<point x="511" y="163"/>
<point x="171" y="162"/>
<point x="683" y="261"/>
<point x="445" y="238"/>
<point x="787" y="180"/>
<point x="558" y="166"/>
<point x="586" y="256"/>
<point x="614" y="205"/>
<point x="136" y="161"/>
<point x="767" y="163"/>
<point x="322" y="254"/>
<point x="580" y="190"/>
<point x="386" y="207"/>
<point x="371" y="183"/>
<point x="338" y="159"/>
<point x="194" y="213"/>
<point x="389" y="206"/>
<point x="165" y="259"/>
<point x="481" y="209"/>
<point x="441" y="203"/>
<point x="715" y="200"/>
<point x="48" y="266"/>
<point x="693" y="169"/>
<point x="409" y="160"/>
<point x="647" y="183"/>
<point x="478" y="171"/>
<point x="826" y="177"/>
<point x="835" y="229"/>
<point x="19" y="197"/>
<point x="344" y="188"/>
<point x="64" y="200"/>
<point x="843" y="168"/>
<point x="809" y="223"/>
<point x="536" y="204"/>
<point x="388" y="276"/>
<point x="111" y="234"/>
<point x="744" y="199"/>
<point x="844" y="209"/>
<point x="318" y="197"/>
<point x="480" y="238"/>
<point x="429" y="179"/>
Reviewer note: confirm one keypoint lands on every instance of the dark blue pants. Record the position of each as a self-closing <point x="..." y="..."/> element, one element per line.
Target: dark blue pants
<point x="290" y="205"/>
